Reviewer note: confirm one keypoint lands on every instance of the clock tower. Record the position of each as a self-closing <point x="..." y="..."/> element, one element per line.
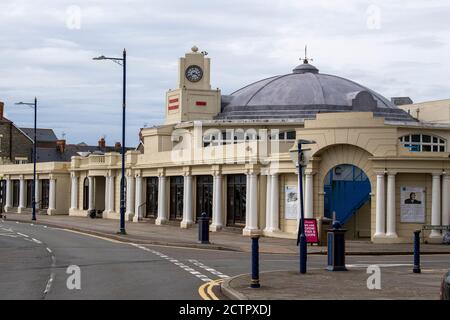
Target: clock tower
<point x="193" y="99"/>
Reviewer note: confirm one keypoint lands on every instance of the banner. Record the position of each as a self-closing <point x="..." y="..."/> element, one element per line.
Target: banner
<point x="412" y="205"/>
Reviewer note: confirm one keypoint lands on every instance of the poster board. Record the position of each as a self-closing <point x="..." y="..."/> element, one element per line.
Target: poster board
<point x="312" y="236"/>
<point x="291" y="203"/>
<point x="412" y="205"/>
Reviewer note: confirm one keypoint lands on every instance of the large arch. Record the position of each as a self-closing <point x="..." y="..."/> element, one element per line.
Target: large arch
<point x="328" y="158"/>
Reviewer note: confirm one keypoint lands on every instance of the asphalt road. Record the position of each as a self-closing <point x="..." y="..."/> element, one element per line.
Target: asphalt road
<point x="34" y="260"/>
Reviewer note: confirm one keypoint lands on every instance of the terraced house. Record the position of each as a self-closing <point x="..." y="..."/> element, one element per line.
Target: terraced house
<point x="376" y="166"/>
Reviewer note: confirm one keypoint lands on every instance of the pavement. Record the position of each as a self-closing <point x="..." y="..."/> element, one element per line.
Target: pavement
<point x="148" y="233"/>
<point x="397" y="283"/>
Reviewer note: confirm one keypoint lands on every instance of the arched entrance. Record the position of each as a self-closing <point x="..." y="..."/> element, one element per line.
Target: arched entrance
<point x="347" y="192"/>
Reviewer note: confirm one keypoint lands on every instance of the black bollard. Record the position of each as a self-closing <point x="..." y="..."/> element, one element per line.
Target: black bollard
<point x="255" y="263"/>
<point x="336" y="248"/>
<point x="203" y="229"/>
<point x="416" y="268"/>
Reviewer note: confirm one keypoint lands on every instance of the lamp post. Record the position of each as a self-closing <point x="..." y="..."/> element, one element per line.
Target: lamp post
<point x="33" y="196"/>
<point x="300" y="160"/>
<point x="122" y="62"/>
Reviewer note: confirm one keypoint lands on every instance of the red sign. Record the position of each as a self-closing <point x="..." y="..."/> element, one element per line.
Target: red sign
<point x="173" y="104"/>
<point x="201" y="103"/>
<point x="312" y="236"/>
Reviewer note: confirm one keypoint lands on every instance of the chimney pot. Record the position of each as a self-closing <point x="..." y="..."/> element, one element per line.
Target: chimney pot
<point x="102" y="143"/>
<point x="61" y="145"/>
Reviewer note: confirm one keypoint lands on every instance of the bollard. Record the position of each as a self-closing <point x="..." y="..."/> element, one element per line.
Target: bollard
<point x="416" y="268"/>
<point x="255" y="263"/>
<point x="203" y="229"/>
<point x="336" y="248"/>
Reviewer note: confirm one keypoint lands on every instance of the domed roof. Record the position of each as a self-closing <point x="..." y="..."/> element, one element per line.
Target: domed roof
<point x="304" y="93"/>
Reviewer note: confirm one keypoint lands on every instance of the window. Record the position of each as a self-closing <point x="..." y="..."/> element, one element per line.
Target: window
<point x="21" y="160"/>
<point x="45" y="192"/>
<point x="424" y="143"/>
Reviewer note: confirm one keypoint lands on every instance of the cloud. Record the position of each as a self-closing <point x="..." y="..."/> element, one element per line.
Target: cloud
<point x="42" y="54"/>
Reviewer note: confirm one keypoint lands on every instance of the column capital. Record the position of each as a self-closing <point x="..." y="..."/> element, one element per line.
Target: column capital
<point x="436" y="174"/>
<point x="380" y="173"/>
<point x="161" y="172"/>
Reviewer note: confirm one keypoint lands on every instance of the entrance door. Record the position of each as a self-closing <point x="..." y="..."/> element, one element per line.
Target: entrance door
<point x="176" y="198"/>
<point x="29" y="193"/>
<point x="2" y="195"/>
<point x="45" y="191"/>
<point x="152" y="198"/>
<point x="204" y="195"/>
<point x="16" y="193"/>
<point x="236" y="199"/>
<point x="86" y="194"/>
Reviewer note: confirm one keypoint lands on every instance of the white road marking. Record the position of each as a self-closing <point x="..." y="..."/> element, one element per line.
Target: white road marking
<point x="381" y="265"/>
<point x="21" y="234"/>
<point x="209" y="269"/>
<point x="49" y="283"/>
<point x="37" y="241"/>
<point x="49" y="250"/>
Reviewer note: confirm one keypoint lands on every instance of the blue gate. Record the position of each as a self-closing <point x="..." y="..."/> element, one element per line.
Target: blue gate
<point x="347" y="189"/>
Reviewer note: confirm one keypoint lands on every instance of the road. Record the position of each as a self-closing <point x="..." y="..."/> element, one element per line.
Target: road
<point x="34" y="260"/>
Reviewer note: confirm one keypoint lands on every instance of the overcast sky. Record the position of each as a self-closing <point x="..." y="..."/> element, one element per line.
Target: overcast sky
<point x="398" y="48"/>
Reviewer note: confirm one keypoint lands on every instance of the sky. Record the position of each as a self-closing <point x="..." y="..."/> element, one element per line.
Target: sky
<point x="397" y="48"/>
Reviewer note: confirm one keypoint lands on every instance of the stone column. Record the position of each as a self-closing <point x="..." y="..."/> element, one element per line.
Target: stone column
<point x="9" y="195"/>
<point x="446" y="200"/>
<point x="37" y="195"/>
<point x="22" y="195"/>
<point x="252" y="225"/>
<point x="217" y="203"/>
<point x="111" y="195"/>
<point x="274" y="200"/>
<point x="390" y="209"/>
<point x="138" y="203"/>
<point x="436" y="205"/>
<point x="73" y="193"/>
<point x="162" y="201"/>
<point x="268" y="204"/>
<point x="309" y="194"/>
<point x="129" y="214"/>
<point x="247" y="200"/>
<point x="380" y="215"/>
<point x="91" y="205"/>
<point x="188" y="208"/>
<point x="107" y="181"/>
<point x="52" y="197"/>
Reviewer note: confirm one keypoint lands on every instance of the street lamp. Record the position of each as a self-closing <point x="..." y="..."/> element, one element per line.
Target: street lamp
<point x="300" y="158"/>
<point x="33" y="196"/>
<point x="122" y="62"/>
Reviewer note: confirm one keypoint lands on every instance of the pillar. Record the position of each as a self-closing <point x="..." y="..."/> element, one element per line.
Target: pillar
<point x="91" y="193"/>
<point x="309" y="213"/>
<point x="73" y="193"/>
<point x="188" y="208"/>
<point x="268" y="204"/>
<point x="380" y="215"/>
<point x="129" y="214"/>
<point x="9" y="196"/>
<point x="37" y="195"/>
<point x="107" y="181"/>
<point x="436" y="205"/>
<point x="111" y="195"/>
<point x="217" y="203"/>
<point x="274" y="201"/>
<point x="22" y="195"/>
<point x="138" y="202"/>
<point x="390" y="208"/>
<point x="162" y="201"/>
<point x="252" y="219"/>
<point x="446" y="200"/>
<point x="52" y="197"/>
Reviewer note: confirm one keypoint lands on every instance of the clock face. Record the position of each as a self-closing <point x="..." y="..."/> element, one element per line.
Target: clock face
<point x="194" y="73"/>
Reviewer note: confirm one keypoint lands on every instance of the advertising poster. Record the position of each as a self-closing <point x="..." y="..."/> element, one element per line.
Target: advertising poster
<point x="291" y="203"/>
<point x="412" y="205"/>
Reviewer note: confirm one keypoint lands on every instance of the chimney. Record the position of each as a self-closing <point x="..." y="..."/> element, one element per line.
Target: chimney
<point x="118" y="146"/>
<point x="2" y="106"/>
<point x="61" y="145"/>
<point x="102" y="143"/>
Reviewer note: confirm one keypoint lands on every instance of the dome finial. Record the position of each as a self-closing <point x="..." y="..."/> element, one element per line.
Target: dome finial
<point x="194" y="49"/>
<point x="306" y="60"/>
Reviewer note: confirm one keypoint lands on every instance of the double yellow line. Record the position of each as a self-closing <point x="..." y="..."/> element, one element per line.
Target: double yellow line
<point x="206" y="290"/>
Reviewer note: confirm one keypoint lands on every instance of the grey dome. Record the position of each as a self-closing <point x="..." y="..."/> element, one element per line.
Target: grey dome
<point x="302" y="94"/>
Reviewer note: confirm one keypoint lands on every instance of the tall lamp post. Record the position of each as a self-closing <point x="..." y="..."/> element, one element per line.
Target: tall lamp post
<point x="300" y="159"/>
<point x="122" y="62"/>
<point x="33" y="196"/>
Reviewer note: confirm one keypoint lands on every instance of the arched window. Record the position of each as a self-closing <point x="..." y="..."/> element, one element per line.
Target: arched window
<point x="424" y="143"/>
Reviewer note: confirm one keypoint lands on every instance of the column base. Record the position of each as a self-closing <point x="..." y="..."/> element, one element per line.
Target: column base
<point x="186" y="224"/>
<point x="129" y="216"/>
<point x="391" y="235"/>
<point x="8" y="209"/>
<point x="160" y="221"/>
<point x="20" y="209"/>
<point x="51" y="212"/>
<point x="271" y="231"/>
<point x="251" y="232"/>
<point x="435" y="238"/>
<point x="136" y="218"/>
<point x="215" y="227"/>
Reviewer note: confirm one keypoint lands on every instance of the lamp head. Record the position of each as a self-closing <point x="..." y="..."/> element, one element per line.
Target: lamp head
<point x="99" y="58"/>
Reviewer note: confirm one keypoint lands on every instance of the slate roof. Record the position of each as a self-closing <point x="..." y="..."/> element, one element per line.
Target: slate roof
<point x="42" y="135"/>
